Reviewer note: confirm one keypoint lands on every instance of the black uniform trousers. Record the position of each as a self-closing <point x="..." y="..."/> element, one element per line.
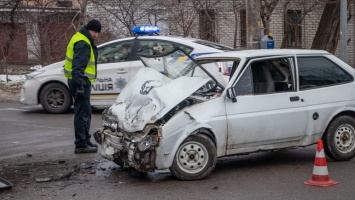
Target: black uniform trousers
<point x="82" y="113"/>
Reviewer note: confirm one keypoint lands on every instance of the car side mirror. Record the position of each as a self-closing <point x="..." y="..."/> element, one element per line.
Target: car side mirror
<point x="232" y="94"/>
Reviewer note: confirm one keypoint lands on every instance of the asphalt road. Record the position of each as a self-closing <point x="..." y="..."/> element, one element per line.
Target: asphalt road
<point x="28" y="135"/>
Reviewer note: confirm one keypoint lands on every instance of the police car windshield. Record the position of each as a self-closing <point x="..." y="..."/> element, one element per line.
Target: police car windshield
<point x="214" y="45"/>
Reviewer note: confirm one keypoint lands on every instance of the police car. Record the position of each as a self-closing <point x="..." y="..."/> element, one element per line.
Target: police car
<point x="118" y="62"/>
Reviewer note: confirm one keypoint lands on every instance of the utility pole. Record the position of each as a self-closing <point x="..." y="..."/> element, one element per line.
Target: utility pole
<point x="253" y="24"/>
<point x="343" y="30"/>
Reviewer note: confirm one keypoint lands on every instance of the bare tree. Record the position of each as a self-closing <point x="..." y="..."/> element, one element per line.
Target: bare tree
<point x="50" y="29"/>
<point x="42" y="25"/>
<point x="13" y="5"/>
<point x="181" y="16"/>
<point x="293" y="19"/>
<point x="267" y="7"/>
<point x="208" y="11"/>
<point x="82" y="14"/>
<point x="126" y="12"/>
<point x="253" y="8"/>
<point x="328" y="32"/>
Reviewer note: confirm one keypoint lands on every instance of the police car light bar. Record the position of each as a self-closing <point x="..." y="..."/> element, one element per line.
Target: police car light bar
<point x="145" y="30"/>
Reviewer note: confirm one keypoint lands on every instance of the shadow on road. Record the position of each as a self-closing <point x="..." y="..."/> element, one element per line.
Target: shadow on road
<point x="287" y="159"/>
<point x="283" y="159"/>
<point x="39" y="110"/>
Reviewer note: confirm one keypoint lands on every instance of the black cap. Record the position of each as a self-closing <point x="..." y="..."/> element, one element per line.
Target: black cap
<point x="94" y="25"/>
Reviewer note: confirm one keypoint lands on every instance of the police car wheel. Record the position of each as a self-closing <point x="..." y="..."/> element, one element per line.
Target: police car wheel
<point x="55" y="98"/>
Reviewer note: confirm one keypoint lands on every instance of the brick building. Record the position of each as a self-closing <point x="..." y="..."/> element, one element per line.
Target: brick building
<point x="222" y="21"/>
<point x="40" y="30"/>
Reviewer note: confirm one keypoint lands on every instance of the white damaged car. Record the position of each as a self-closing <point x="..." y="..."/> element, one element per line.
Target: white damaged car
<point x="174" y="116"/>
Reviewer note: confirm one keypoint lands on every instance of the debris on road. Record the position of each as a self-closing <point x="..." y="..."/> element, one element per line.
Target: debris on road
<point x="42" y="180"/>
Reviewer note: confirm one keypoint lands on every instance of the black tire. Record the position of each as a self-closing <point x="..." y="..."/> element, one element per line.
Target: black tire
<point x="195" y="159"/>
<point x="55" y="98"/>
<point x="339" y="139"/>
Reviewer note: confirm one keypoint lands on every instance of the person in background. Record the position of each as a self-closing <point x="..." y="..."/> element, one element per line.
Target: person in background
<point x="80" y="69"/>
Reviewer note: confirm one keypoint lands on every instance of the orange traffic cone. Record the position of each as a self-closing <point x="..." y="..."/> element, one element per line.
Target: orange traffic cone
<point x="320" y="171"/>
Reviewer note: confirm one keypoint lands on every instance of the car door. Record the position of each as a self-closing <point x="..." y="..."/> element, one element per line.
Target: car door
<point x="268" y="112"/>
<point x="114" y="61"/>
<point x="324" y="87"/>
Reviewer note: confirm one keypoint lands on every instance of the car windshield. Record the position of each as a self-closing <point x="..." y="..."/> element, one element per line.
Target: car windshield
<point x="177" y="64"/>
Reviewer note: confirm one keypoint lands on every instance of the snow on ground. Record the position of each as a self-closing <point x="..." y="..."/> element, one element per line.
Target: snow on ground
<point x="10" y="84"/>
<point x="12" y="79"/>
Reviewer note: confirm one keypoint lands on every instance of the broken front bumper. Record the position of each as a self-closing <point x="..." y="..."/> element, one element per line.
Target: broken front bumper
<point x="134" y="151"/>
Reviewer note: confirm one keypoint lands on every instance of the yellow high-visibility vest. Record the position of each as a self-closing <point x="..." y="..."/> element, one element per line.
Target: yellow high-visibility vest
<point x="90" y="70"/>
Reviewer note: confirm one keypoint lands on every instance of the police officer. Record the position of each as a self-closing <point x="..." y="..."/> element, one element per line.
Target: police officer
<point x="80" y="69"/>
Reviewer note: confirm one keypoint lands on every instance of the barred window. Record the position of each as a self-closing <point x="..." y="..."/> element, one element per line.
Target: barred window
<point x="293" y="28"/>
<point x="207" y="19"/>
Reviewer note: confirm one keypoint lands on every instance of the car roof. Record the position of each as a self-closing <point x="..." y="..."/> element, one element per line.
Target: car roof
<point x="178" y="39"/>
<point x="170" y="38"/>
<point x="261" y="53"/>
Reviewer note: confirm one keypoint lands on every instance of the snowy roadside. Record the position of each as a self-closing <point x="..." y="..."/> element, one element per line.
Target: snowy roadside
<point x="9" y="97"/>
<point x="10" y="86"/>
<point x="10" y="91"/>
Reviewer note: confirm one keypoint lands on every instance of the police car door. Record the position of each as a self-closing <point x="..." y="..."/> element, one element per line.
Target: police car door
<point x="112" y="71"/>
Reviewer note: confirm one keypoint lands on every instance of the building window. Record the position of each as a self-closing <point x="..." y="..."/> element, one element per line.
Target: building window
<point x="65" y="3"/>
<point x="243" y="28"/>
<point x="293" y="28"/>
<point x="207" y="24"/>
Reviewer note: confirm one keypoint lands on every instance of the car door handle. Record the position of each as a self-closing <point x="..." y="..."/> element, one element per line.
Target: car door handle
<point x="121" y="71"/>
<point x="296" y="98"/>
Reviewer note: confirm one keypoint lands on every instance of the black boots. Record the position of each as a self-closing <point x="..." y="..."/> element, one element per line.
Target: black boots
<point x="89" y="143"/>
<point x="92" y="144"/>
<point x="85" y="149"/>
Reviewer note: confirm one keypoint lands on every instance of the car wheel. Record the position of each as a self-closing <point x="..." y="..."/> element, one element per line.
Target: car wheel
<point x="339" y="139"/>
<point x="55" y="98"/>
<point x="195" y="159"/>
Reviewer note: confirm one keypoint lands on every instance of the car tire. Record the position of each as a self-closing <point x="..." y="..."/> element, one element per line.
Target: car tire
<point x="339" y="139"/>
<point x="195" y="158"/>
<point x="55" y="98"/>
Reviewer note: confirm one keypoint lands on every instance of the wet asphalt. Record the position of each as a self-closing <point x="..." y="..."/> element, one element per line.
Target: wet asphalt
<point x="27" y="130"/>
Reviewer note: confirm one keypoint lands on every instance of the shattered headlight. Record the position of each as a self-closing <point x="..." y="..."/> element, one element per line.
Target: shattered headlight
<point x="147" y="142"/>
<point x="109" y="120"/>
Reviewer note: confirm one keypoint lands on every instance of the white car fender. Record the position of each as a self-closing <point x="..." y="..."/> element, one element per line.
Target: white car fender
<point x="177" y="129"/>
<point x="167" y="149"/>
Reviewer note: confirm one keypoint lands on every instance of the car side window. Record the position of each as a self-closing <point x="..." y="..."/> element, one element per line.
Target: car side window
<point x="266" y="76"/>
<point x="245" y="85"/>
<point x="117" y="52"/>
<point x="316" y="72"/>
<point x="185" y="48"/>
<point x="154" y="47"/>
<point x="281" y="73"/>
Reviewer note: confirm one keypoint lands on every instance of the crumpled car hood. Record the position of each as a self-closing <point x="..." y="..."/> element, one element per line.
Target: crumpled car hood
<point x="149" y="96"/>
